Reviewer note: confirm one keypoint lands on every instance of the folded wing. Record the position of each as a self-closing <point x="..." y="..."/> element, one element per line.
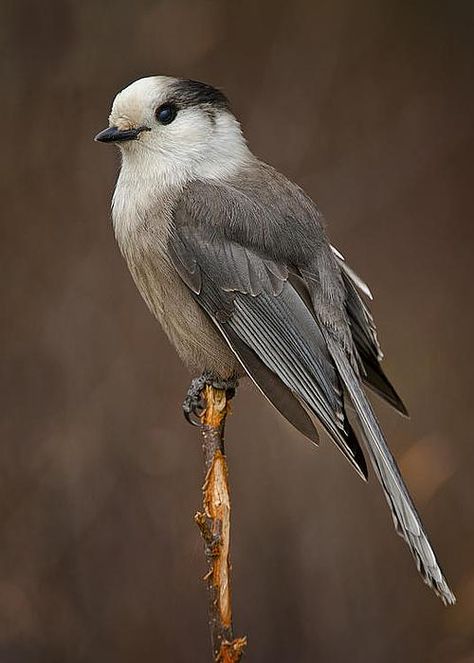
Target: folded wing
<point x="270" y="328"/>
<point x="290" y="309"/>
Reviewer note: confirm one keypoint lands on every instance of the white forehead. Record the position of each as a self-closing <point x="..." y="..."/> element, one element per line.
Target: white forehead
<point x="141" y="94"/>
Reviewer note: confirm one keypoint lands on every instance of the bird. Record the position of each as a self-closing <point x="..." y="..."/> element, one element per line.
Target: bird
<point x="233" y="260"/>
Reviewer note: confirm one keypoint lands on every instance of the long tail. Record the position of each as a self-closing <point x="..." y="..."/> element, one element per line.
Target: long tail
<point x="406" y="519"/>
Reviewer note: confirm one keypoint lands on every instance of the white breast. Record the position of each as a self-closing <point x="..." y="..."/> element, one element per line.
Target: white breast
<point x="141" y="219"/>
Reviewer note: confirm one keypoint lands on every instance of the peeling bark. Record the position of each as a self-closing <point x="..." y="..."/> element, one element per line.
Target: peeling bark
<point x="214" y="523"/>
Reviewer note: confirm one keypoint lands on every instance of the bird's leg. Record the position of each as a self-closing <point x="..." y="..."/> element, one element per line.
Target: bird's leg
<point x="194" y="405"/>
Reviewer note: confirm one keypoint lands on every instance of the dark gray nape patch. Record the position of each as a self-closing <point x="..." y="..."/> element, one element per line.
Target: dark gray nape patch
<point x="186" y="93"/>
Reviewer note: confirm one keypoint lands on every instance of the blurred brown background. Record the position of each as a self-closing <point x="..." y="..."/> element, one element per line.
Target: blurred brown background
<point x="370" y="107"/>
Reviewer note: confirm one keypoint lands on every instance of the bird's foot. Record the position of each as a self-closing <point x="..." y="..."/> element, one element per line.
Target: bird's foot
<point x="194" y="404"/>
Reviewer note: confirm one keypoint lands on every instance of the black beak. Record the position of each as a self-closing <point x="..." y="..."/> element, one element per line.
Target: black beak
<point x="115" y="135"/>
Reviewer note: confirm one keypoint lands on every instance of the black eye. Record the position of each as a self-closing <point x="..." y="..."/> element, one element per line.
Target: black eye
<point x="166" y="113"/>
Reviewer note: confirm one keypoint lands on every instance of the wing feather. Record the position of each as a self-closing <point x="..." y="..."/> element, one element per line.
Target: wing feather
<point x="252" y="297"/>
<point x="364" y="334"/>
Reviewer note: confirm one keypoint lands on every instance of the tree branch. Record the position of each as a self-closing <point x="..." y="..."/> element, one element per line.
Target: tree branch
<point x="214" y="523"/>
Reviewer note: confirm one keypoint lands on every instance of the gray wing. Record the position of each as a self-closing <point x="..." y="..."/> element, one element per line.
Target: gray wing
<point x="268" y="325"/>
<point x="257" y="261"/>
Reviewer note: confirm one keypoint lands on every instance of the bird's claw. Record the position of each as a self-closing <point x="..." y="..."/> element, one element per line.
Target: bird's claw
<point x="191" y="415"/>
<point x="194" y="404"/>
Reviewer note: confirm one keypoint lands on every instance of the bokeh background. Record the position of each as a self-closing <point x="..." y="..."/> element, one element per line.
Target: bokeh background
<point x="369" y="106"/>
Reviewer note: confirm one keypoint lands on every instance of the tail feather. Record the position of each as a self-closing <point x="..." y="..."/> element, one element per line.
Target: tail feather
<point x="406" y="519"/>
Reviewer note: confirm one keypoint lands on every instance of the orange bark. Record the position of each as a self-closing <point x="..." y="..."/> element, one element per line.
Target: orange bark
<point x="214" y="523"/>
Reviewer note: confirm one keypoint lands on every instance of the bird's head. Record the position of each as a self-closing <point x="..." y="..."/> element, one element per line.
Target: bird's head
<point x="175" y="127"/>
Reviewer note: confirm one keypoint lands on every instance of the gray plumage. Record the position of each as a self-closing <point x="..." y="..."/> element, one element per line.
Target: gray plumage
<point x="233" y="259"/>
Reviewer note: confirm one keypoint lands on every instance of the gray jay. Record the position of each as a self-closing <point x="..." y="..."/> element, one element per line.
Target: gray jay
<point x="233" y="260"/>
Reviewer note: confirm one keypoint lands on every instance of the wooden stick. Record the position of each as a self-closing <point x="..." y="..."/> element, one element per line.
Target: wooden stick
<point x="214" y="523"/>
